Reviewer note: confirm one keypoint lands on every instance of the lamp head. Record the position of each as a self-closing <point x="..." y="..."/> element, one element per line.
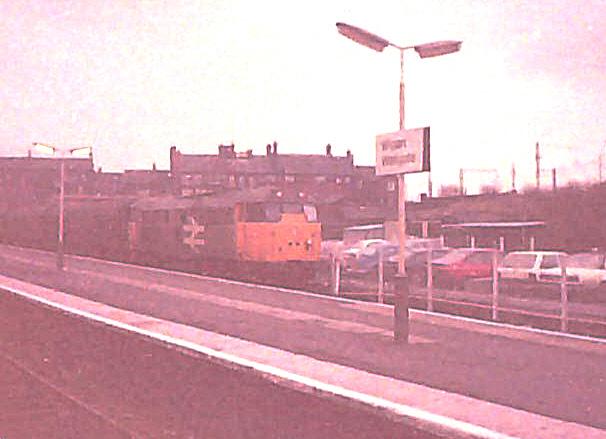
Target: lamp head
<point x="363" y="37"/>
<point x="437" y="48"/>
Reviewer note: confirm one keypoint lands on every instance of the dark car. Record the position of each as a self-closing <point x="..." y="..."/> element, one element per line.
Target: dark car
<point x="416" y="264"/>
<point x="456" y="267"/>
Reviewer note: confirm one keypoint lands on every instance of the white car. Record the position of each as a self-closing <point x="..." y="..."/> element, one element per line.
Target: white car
<point x="583" y="269"/>
<point x="529" y="265"/>
<point x="352" y="253"/>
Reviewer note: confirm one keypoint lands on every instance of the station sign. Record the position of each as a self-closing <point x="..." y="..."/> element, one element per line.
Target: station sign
<point x="403" y="152"/>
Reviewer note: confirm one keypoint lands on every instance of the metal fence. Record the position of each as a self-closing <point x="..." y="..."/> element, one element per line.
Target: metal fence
<point x="557" y="305"/>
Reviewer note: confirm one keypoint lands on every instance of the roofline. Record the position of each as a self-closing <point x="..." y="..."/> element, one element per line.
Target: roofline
<point x="495" y="225"/>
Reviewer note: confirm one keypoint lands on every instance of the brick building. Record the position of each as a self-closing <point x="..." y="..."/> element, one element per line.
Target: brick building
<point x="27" y="180"/>
<point x="345" y="194"/>
<point x="135" y="182"/>
<point x="327" y="175"/>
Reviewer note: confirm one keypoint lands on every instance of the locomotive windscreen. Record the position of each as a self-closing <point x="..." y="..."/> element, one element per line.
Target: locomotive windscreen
<point x="272" y="212"/>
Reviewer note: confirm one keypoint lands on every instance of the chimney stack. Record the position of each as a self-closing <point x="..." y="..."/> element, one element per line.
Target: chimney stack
<point x="227" y="151"/>
<point x="174" y="154"/>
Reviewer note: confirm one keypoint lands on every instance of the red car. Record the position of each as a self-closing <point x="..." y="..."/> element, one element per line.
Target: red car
<point x="461" y="264"/>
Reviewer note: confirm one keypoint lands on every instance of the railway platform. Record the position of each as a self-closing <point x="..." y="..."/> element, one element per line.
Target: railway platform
<point x="457" y="377"/>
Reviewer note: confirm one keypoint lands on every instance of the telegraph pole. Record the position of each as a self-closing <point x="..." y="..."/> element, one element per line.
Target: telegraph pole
<point x="554" y="182"/>
<point x="461" y="182"/>
<point x="537" y="157"/>
<point x="600" y="158"/>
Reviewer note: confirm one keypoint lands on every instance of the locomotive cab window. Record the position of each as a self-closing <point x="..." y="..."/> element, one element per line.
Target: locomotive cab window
<point x="258" y="213"/>
<point x="272" y="212"/>
<point x="291" y="208"/>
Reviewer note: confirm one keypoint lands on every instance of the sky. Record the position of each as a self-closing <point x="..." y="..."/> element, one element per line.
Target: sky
<point x="131" y="78"/>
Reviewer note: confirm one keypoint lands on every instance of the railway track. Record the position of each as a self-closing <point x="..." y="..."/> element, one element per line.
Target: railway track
<point x="35" y="406"/>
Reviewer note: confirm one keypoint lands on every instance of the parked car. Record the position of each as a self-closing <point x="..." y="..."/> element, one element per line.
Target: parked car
<point x="416" y="264"/>
<point x="529" y="266"/>
<point x="586" y="270"/>
<point x="351" y="254"/>
<point x="368" y="259"/>
<point x="453" y="269"/>
<point x="416" y="257"/>
<point x="423" y="244"/>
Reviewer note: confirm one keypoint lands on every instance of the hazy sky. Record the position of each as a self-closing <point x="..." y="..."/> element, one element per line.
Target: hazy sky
<point x="135" y="77"/>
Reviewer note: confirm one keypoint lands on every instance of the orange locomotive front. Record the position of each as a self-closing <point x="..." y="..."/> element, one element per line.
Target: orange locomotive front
<point x="277" y="232"/>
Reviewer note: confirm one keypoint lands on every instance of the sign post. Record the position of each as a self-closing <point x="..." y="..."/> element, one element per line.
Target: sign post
<point x="406" y="161"/>
<point x="400" y="153"/>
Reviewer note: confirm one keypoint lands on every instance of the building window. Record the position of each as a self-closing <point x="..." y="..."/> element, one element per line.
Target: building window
<point x="289" y="178"/>
<point x="391" y="186"/>
<point x="338" y="180"/>
<point x="320" y="178"/>
<point x="347" y="180"/>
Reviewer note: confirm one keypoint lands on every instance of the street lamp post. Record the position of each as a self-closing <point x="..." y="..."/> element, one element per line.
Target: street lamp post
<point x="426" y="50"/>
<point x="60" y="235"/>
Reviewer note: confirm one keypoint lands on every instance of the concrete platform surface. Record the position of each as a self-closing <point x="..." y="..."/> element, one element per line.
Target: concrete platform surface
<point x="464" y="376"/>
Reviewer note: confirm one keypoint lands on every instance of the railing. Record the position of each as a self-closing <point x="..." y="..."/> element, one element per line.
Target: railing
<point x="560" y="305"/>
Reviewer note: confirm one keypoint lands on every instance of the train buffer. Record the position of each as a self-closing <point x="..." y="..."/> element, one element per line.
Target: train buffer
<point x="456" y="378"/>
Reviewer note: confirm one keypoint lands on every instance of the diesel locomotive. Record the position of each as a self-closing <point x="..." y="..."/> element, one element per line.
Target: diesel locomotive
<point x="261" y="235"/>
